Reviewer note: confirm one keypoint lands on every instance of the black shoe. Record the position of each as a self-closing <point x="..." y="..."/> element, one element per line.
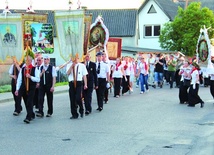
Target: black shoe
<point x="87" y="113"/>
<point x="202" y="104"/>
<point x="81" y="115"/>
<point x="16" y="113"/>
<point x="100" y="109"/>
<point x="181" y="102"/>
<point x="48" y="115"/>
<point x="189" y="105"/>
<point x="39" y="115"/>
<point x="26" y="120"/>
<point x="154" y="86"/>
<point x="72" y="117"/>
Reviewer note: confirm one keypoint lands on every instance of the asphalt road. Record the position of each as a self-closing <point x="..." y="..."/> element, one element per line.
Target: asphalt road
<point x="153" y="123"/>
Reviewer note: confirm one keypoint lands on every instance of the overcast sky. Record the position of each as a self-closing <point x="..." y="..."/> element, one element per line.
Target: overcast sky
<point x="63" y="4"/>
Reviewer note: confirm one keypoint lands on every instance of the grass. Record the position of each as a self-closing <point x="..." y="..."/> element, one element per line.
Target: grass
<point x="7" y="88"/>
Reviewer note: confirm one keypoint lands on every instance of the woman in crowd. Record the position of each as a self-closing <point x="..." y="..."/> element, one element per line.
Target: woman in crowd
<point x="143" y="71"/>
<point x="184" y="83"/>
<point x="126" y="78"/>
<point x="117" y="74"/>
<point x="193" y="97"/>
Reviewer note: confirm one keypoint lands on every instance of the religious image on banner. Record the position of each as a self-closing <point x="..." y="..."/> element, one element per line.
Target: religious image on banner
<point x="42" y="35"/>
<point x="203" y="50"/>
<point x="97" y="35"/>
<point x="10" y="34"/>
<point x="114" y="48"/>
<point x="70" y="32"/>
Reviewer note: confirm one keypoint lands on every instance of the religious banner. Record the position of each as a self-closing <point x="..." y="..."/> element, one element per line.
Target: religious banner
<point x="70" y="32"/>
<point x="27" y="20"/>
<point x="10" y="34"/>
<point x="114" y="48"/>
<point x="87" y="25"/>
<point x="99" y="35"/>
<point x="204" y="52"/>
<point x="42" y="35"/>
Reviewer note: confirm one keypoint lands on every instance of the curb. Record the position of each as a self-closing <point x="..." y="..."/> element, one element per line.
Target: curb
<point x="11" y="99"/>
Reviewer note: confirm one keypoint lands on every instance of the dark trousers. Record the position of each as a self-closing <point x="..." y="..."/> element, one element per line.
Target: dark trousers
<point x="36" y="98"/>
<point x="165" y="75"/>
<point x="42" y="91"/>
<point x="28" y="100"/>
<point x="177" y="77"/>
<point x="183" y="92"/>
<point x="106" y="95"/>
<point x="125" y="84"/>
<point x="117" y="84"/>
<point x="212" y="87"/>
<point x="171" y="76"/>
<point x="87" y="94"/>
<point x="75" y="95"/>
<point x="100" y="91"/>
<point x="17" y="99"/>
<point x="193" y="97"/>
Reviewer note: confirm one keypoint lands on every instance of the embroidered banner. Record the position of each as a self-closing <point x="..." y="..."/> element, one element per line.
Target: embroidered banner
<point x="70" y="33"/>
<point x="10" y="34"/>
<point x="27" y="20"/>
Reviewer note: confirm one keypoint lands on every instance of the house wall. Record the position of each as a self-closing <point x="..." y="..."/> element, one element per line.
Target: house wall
<point x="158" y="18"/>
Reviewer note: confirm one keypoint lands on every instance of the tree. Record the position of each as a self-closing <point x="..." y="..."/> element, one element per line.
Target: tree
<point x="182" y="34"/>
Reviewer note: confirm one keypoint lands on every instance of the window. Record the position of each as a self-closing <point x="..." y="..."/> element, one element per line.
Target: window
<point x="152" y="9"/>
<point x="152" y="30"/>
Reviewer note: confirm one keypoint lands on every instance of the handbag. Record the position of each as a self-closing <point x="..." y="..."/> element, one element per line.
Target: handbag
<point x="187" y="82"/>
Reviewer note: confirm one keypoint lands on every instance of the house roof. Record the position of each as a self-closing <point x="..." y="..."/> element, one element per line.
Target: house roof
<point x="204" y="3"/>
<point x="168" y="7"/>
<point x="120" y="22"/>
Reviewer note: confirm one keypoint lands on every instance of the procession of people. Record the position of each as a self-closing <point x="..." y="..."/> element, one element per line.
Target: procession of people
<point x="36" y="79"/>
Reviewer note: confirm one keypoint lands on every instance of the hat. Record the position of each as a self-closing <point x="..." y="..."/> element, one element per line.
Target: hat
<point x="46" y="57"/>
<point x="99" y="53"/>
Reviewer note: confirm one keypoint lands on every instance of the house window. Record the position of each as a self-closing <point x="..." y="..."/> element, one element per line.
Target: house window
<point x="152" y="30"/>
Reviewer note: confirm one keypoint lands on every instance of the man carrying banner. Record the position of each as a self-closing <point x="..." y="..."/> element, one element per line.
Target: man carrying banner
<point x="76" y="72"/>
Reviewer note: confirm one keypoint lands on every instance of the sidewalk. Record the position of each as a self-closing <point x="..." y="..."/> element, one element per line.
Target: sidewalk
<point x="7" y="97"/>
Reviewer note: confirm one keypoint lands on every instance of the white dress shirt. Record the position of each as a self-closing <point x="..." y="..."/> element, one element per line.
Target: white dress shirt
<point x="82" y="71"/>
<point x="104" y="69"/>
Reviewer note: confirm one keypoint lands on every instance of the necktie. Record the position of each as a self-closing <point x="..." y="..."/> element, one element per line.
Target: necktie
<point x="74" y="77"/>
<point x="98" y="68"/>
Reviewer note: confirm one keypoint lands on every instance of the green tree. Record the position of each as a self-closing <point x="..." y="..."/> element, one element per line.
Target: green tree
<point x="182" y="34"/>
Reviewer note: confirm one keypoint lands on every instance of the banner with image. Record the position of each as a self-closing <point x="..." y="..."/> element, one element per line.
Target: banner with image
<point x="42" y="38"/>
<point x="10" y="37"/>
<point x="70" y="33"/>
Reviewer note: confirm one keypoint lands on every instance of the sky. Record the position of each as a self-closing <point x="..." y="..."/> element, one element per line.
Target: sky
<point x="63" y="4"/>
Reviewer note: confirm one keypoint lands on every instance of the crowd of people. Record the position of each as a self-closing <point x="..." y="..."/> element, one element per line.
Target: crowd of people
<point x="36" y="78"/>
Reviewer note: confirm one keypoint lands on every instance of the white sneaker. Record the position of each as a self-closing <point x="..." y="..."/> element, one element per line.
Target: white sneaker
<point x="141" y="92"/>
<point x="137" y="86"/>
<point x="147" y="90"/>
<point x="117" y="96"/>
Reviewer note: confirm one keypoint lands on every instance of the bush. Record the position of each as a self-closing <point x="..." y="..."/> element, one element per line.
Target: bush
<point x="5" y="88"/>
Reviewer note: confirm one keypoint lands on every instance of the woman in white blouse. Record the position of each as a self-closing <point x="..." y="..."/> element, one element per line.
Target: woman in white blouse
<point x="117" y="74"/>
<point x="193" y="97"/>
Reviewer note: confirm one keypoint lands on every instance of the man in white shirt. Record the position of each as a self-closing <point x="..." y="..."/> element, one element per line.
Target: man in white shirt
<point x="26" y="86"/>
<point x="103" y="74"/>
<point x="76" y="72"/>
<point x="46" y="86"/>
